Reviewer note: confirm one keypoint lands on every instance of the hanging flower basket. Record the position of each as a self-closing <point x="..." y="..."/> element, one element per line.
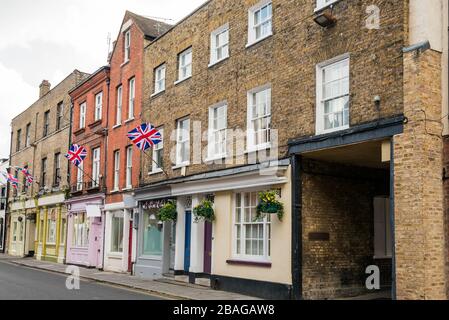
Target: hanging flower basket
<point x="268" y="204"/>
<point x="204" y="211"/>
<point x="168" y="212"/>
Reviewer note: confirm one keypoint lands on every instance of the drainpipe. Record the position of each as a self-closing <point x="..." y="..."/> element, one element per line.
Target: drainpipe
<point x="106" y="139"/>
<point x="392" y="223"/>
<point x="296" y="181"/>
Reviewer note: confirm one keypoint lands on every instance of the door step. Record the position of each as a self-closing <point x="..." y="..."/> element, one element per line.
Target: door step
<point x="204" y="282"/>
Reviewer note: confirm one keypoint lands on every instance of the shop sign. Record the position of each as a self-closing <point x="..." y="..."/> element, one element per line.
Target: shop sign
<point x="154" y="204"/>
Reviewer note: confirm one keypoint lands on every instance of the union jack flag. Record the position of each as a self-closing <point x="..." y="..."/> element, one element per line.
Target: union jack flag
<point x="27" y="174"/>
<point x="145" y="136"/>
<point x="76" y="154"/>
<point x="11" y="179"/>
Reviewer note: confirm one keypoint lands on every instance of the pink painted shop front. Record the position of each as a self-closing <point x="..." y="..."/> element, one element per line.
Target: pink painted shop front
<point x="85" y="231"/>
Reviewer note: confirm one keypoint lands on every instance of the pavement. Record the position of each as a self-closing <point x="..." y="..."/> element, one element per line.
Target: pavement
<point x="164" y="288"/>
<point x="22" y="283"/>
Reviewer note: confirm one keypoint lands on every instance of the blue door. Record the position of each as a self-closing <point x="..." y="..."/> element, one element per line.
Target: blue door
<point x="188" y="223"/>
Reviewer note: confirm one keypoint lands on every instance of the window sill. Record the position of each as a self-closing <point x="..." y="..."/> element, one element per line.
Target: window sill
<point x="95" y="123"/>
<point x="157" y="93"/>
<point x="182" y="80"/>
<point x="115" y="255"/>
<point x="258" y="40"/>
<point x="115" y="191"/>
<point x="124" y="63"/>
<point x="129" y="120"/>
<point x="321" y="132"/>
<point x="181" y="165"/>
<point x="213" y="63"/>
<point x="79" y="131"/>
<point x="263" y="264"/>
<point x="117" y="126"/>
<point x="260" y="147"/>
<point x="318" y="9"/>
<point x="156" y="171"/>
<point x="215" y="158"/>
<point x="127" y="189"/>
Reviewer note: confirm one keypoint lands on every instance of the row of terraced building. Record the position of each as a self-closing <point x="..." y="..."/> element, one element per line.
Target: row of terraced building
<point x="339" y="106"/>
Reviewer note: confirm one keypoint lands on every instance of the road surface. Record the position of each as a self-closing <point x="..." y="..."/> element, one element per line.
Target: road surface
<point x="21" y="283"/>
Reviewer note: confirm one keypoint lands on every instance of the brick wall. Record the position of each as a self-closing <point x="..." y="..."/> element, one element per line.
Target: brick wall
<point x="338" y="200"/>
<point x="55" y="141"/>
<point x="419" y="215"/>
<point x="121" y="73"/>
<point x="90" y="136"/>
<point x="287" y="60"/>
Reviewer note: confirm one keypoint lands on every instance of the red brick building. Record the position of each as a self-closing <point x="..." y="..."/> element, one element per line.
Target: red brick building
<point x="126" y="62"/>
<point x="90" y="101"/>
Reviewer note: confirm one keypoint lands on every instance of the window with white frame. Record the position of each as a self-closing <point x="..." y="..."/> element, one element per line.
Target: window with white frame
<point x="383" y="241"/>
<point x="252" y="238"/>
<point x="132" y="95"/>
<point x="98" y="105"/>
<point x="183" y="142"/>
<point x="117" y="232"/>
<point x="80" y="237"/>
<point x="217" y="131"/>
<point x="259" y="118"/>
<point x="83" y="115"/>
<point x="116" y="170"/>
<point x="320" y="4"/>
<point x="118" y="115"/>
<point x="127" y="47"/>
<point x="129" y="167"/>
<point x="79" y="177"/>
<point x="159" y="79"/>
<point x="51" y="232"/>
<point x="158" y="154"/>
<point x="185" y="64"/>
<point x="96" y="167"/>
<point x="260" y="21"/>
<point x="219" y="44"/>
<point x="333" y="95"/>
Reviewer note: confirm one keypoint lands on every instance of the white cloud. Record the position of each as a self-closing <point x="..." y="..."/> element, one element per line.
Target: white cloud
<point x="48" y="39"/>
<point x="15" y="96"/>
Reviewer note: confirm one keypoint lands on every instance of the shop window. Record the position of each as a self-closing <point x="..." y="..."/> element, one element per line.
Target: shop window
<point x="63" y="231"/>
<point x="117" y="233"/>
<point x="152" y="235"/>
<point x="252" y="238"/>
<point x="80" y="231"/>
<point x="51" y="232"/>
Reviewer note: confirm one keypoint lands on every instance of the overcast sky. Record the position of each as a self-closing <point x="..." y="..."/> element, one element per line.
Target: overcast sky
<point x="48" y="39"/>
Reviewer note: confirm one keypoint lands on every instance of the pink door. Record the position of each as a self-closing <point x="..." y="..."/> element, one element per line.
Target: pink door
<point x="96" y="244"/>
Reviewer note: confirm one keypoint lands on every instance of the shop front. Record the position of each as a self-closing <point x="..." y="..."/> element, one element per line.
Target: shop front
<point x="85" y="231"/>
<point x="155" y="239"/>
<point x="22" y="228"/>
<point x="119" y="237"/>
<point x="234" y="251"/>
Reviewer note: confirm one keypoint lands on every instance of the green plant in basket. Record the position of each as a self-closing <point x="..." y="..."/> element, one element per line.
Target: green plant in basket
<point x="168" y="212"/>
<point x="204" y="211"/>
<point x="268" y="204"/>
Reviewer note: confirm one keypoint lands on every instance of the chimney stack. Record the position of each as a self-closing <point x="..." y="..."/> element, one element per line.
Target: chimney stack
<point x="44" y="88"/>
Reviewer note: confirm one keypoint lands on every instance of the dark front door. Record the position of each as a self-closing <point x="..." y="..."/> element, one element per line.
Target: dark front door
<point x="208" y="247"/>
<point x="188" y="223"/>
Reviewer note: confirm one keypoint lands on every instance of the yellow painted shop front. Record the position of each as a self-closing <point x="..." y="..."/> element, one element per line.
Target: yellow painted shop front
<point x="51" y="222"/>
